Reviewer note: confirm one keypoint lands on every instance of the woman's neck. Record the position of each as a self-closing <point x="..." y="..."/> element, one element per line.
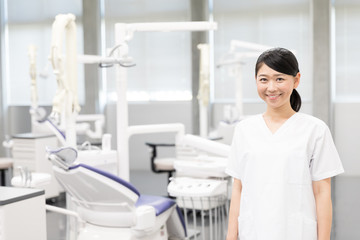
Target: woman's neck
<point x="284" y="112"/>
<point x="275" y="118"/>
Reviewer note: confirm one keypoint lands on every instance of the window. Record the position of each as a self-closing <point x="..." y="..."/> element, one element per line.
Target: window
<point x="272" y="23"/>
<point x="163" y="60"/>
<point x="30" y="23"/>
<point x="347" y="34"/>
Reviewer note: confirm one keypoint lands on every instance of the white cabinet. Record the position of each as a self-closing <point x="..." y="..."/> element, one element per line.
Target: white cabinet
<point x="29" y="152"/>
<point x="22" y="214"/>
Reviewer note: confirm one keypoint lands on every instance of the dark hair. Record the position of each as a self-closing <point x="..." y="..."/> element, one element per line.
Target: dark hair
<point x="283" y="61"/>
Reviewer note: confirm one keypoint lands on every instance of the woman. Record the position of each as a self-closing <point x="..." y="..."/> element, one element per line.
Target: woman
<point x="281" y="162"/>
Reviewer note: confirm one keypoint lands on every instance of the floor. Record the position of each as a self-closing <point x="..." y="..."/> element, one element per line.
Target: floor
<point x="346" y="208"/>
<point x="346" y="202"/>
<point x="56" y="223"/>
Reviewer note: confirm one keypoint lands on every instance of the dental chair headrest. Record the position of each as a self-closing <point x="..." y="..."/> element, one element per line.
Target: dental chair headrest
<point x="108" y="175"/>
<point x="62" y="157"/>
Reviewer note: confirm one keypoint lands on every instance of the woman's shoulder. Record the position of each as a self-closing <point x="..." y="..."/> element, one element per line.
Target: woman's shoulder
<point x="310" y="120"/>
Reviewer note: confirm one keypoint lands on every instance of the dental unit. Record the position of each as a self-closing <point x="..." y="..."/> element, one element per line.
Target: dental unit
<point x="123" y="34"/>
<point x="101" y="198"/>
<point x="108" y="207"/>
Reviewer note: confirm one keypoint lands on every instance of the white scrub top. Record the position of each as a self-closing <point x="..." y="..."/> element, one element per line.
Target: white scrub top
<point x="276" y="171"/>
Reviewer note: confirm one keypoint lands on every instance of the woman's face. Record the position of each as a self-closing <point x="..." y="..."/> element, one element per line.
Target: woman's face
<point x="275" y="88"/>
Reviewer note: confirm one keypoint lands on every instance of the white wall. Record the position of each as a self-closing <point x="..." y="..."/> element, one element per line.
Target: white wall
<point x="150" y="113"/>
<point x="347" y="136"/>
<point x="346" y="132"/>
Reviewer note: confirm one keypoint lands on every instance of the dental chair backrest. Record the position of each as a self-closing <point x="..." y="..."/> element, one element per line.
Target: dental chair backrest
<point x="101" y="198"/>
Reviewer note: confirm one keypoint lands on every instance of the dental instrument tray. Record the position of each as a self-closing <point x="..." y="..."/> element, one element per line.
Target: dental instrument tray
<point x="198" y="193"/>
<point x="208" y="197"/>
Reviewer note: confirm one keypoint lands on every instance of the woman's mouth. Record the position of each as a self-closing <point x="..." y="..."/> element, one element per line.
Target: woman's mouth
<point x="273" y="96"/>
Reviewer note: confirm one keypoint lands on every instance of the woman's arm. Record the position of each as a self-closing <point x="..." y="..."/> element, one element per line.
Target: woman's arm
<point x="232" y="233"/>
<point x="322" y="193"/>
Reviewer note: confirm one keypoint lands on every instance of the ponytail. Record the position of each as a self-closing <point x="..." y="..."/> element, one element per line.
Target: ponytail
<point x="295" y="100"/>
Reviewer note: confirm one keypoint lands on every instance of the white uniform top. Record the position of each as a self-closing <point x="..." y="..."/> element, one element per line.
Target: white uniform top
<point x="276" y="171"/>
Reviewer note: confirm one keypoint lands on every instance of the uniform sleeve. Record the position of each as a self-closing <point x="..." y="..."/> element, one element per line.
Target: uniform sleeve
<point x="325" y="161"/>
<point x="233" y="167"/>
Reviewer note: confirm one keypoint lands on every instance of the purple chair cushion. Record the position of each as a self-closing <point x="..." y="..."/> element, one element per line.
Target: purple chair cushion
<point x="161" y="204"/>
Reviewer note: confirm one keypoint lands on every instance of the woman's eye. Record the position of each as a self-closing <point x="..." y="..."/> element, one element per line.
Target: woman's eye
<point x="262" y="79"/>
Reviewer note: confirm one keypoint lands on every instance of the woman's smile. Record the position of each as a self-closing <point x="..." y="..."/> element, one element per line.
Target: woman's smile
<point x="273" y="96"/>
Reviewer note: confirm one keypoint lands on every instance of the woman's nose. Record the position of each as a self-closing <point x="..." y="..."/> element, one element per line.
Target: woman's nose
<point x="271" y="86"/>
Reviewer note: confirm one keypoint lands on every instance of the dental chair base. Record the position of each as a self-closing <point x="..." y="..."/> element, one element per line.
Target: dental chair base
<point x="146" y="225"/>
<point x="94" y="232"/>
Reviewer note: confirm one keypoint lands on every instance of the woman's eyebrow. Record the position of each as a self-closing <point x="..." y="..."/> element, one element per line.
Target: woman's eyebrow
<point x="266" y="75"/>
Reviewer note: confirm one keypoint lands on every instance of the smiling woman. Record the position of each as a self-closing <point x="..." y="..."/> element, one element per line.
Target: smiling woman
<point x="282" y="162"/>
<point x="281" y="77"/>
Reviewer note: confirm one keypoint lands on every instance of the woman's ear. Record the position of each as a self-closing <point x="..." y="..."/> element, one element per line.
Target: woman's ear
<point x="297" y="80"/>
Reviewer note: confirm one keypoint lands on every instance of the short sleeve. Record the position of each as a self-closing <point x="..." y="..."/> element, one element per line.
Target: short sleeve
<point x="325" y="160"/>
<point x="233" y="167"/>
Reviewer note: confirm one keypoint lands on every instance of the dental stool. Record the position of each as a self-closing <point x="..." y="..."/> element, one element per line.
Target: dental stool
<point x="161" y="165"/>
<point x="111" y="208"/>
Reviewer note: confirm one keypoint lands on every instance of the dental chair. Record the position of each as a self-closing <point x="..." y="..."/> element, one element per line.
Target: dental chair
<point x="111" y="208"/>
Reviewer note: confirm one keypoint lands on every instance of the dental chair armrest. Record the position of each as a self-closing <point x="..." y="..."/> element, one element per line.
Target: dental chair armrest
<point x="145" y="219"/>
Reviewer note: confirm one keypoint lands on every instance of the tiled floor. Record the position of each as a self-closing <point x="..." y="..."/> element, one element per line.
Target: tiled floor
<point x="346" y="207"/>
